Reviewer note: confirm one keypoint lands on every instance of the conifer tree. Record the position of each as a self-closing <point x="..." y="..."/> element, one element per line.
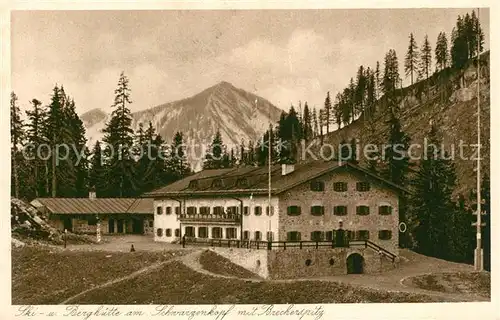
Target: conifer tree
<point x="315" y="123"/>
<point x="118" y="136"/>
<point x="441" y="51"/>
<point x="378" y="81"/>
<point x="16" y="137"/>
<point x="337" y="110"/>
<point x="307" y="123"/>
<point x="97" y="174"/>
<point x="431" y="200"/>
<point x="391" y="73"/>
<point x="426" y="58"/>
<point x="250" y="158"/>
<point x="214" y="158"/>
<point x="327" y="113"/>
<point x="177" y="163"/>
<point x="35" y="138"/>
<point x="360" y="91"/>
<point x="411" y="60"/>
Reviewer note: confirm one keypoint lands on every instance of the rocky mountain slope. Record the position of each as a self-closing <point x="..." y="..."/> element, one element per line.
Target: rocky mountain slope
<point x="239" y="115"/>
<point x="448" y="99"/>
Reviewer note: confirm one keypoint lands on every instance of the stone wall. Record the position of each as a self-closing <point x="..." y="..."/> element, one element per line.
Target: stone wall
<point x="291" y="263"/>
<point x="253" y="260"/>
<point x="373" y="222"/>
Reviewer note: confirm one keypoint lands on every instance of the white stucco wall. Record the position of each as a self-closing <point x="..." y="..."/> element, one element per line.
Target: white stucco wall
<point x="251" y="222"/>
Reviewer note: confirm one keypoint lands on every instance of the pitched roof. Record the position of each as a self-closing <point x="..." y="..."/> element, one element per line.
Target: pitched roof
<point x="202" y="183"/>
<point x="97" y="205"/>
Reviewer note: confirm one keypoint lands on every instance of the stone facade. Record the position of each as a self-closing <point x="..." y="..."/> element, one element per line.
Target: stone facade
<point x="250" y="259"/>
<point x="315" y="263"/>
<point x="305" y="223"/>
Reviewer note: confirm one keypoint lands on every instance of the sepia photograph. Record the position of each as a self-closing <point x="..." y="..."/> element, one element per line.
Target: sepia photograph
<point x="273" y="157"/>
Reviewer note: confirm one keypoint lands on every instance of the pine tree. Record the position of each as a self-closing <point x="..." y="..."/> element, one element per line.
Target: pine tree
<point x="426" y="58"/>
<point x="307" y="123"/>
<point x="391" y="73"/>
<point x="411" y="60"/>
<point x="315" y="123"/>
<point x="431" y="200"/>
<point x="250" y="158"/>
<point x="214" y="158"/>
<point x="360" y="91"/>
<point x="397" y="160"/>
<point x="441" y="51"/>
<point x="459" y="45"/>
<point x="16" y="137"/>
<point x="378" y="81"/>
<point x="118" y="136"/>
<point x="97" y="173"/>
<point x="327" y="113"/>
<point x="35" y="138"/>
<point x="177" y="163"/>
<point x="337" y="110"/>
<point x="371" y="95"/>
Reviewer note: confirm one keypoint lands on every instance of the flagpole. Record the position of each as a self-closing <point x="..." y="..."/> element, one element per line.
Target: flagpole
<point x="478" y="263"/>
<point x="269" y="170"/>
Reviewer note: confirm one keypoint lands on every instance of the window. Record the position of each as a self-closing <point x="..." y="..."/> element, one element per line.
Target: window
<point x="189" y="232"/>
<point x="340" y="186"/>
<point x="340" y="210"/>
<point x="385" y="210"/>
<point x="317" y="210"/>
<point x="230" y="233"/>
<point x="293" y="236"/>
<point x="269" y="236"/>
<point x="232" y="210"/>
<point x="258" y="236"/>
<point x="218" y="211"/>
<point x="217" y="183"/>
<point x="267" y="211"/>
<point x="159" y="210"/>
<point x="168" y="210"/>
<point x="217" y="232"/>
<point x="363" y="210"/>
<point x="363" y="235"/>
<point x="193" y="184"/>
<point x="159" y="232"/>
<point x="317" y="186"/>
<point x="317" y="236"/>
<point x="168" y="232"/>
<point x="242" y="182"/>
<point x="177" y="232"/>
<point x="329" y="235"/>
<point x="202" y="232"/>
<point x="246" y="210"/>
<point x="257" y="210"/>
<point x="204" y="211"/>
<point x="362" y="186"/>
<point x="177" y="210"/>
<point x="385" y="234"/>
<point x="293" y="210"/>
<point x="246" y="235"/>
<point x="151" y="223"/>
<point x="191" y="210"/>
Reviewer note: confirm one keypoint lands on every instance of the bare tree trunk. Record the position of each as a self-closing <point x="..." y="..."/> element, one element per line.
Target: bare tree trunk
<point x="14" y="169"/>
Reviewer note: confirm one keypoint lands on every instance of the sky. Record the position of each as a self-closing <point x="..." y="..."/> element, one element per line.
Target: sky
<point x="285" y="56"/>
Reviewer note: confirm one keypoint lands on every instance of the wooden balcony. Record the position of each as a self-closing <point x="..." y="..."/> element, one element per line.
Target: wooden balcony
<point x="209" y="218"/>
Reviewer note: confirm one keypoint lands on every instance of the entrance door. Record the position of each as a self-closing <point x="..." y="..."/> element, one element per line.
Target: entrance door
<point x="68" y="224"/>
<point x="111" y="226"/>
<point x="138" y="226"/>
<point x="355" y="263"/>
<point x="119" y="226"/>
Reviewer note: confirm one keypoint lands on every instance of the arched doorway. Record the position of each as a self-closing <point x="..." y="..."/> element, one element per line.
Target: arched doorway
<point x="355" y="263"/>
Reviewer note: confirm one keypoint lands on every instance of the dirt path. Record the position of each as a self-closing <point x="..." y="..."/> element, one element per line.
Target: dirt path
<point x="389" y="281"/>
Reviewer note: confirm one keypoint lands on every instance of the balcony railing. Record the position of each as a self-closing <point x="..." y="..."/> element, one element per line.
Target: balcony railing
<point x="210" y="217"/>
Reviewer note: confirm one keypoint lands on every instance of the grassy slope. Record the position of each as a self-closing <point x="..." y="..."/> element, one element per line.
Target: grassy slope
<point x="470" y="283"/>
<point x="45" y="276"/>
<point x="184" y="286"/>
<point x="217" y="264"/>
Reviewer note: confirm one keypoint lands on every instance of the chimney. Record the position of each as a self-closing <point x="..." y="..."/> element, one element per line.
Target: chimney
<point x="287" y="168"/>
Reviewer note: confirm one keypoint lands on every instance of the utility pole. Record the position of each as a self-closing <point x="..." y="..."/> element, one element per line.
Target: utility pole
<point x="478" y="254"/>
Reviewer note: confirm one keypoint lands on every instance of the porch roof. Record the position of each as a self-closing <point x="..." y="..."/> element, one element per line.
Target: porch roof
<point x="96" y="206"/>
